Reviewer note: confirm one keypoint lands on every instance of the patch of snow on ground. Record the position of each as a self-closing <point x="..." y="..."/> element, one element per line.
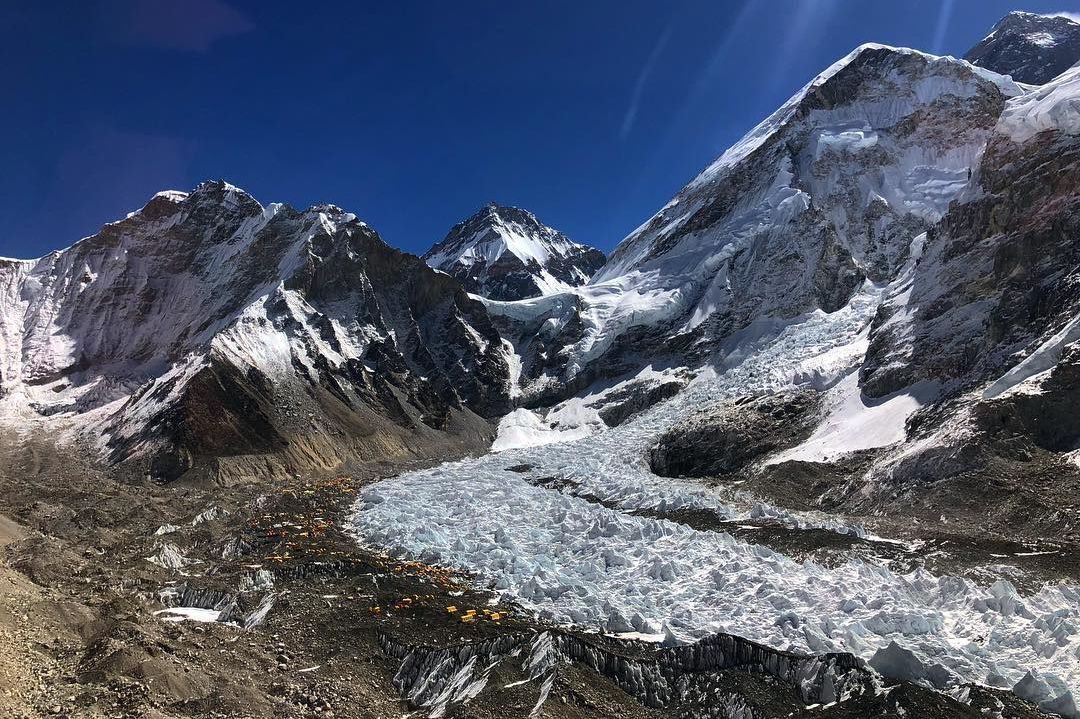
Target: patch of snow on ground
<point x="1044" y="358"/>
<point x="194" y="614"/>
<point x="855" y="422"/>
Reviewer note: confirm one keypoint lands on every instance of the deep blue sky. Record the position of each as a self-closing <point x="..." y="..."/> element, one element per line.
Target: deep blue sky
<point x="411" y="114"/>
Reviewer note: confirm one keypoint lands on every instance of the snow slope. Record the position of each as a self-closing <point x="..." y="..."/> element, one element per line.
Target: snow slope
<point x="854" y="423"/>
<point x="565" y="423"/>
<point x="868" y="93"/>
<point x="1054" y="106"/>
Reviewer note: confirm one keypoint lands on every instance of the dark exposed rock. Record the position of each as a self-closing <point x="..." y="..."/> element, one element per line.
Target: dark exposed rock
<point x="998" y="274"/>
<point x="1031" y="48"/>
<point x="725" y="438"/>
<point x="622" y="405"/>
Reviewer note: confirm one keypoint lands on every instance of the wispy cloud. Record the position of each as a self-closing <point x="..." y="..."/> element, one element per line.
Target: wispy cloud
<point x="944" y="16"/>
<point x="639" y="84"/>
<point x="191" y="26"/>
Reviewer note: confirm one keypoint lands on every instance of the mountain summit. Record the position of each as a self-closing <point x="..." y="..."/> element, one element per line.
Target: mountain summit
<point x="505" y="253"/>
<point x="1031" y="48"/>
<point x="206" y="331"/>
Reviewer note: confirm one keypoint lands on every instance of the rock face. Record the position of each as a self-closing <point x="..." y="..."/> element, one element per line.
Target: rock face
<point x="724" y="439"/>
<point x="205" y="330"/>
<point x="992" y="313"/>
<point x="505" y="253"/>
<point x="1031" y="48"/>
<point x="995" y="294"/>
<point x="827" y="193"/>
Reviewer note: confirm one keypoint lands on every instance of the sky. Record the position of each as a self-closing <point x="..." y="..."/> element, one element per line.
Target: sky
<point x="411" y="114"/>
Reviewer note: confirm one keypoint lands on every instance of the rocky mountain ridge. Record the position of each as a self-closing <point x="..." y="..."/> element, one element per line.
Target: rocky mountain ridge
<point x="206" y="328"/>
<point x="1032" y="48"/>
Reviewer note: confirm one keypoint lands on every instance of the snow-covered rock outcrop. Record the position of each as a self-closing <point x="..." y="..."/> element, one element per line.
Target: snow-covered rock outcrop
<point x="505" y="253"/>
<point x="997" y="276"/>
<point x="1032" y="48"/>
<point x="208" y="326"/>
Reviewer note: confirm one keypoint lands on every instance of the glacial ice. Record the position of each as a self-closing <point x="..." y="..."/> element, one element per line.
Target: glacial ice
<point x="1053" y="106"/>
<point x="597" y="565"/>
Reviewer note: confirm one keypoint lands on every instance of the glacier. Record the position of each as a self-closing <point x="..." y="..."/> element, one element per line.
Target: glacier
<point x="588" y="549"/>
<point x="576" y="561"/>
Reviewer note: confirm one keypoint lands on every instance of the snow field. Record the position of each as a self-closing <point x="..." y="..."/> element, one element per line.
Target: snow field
<point x="569" y="421"/>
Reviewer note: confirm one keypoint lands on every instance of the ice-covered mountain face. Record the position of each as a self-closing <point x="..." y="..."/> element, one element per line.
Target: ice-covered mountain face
<point x="205" y="328"/>
<point x="882" y="283"/>
<point x="994" y="309"/>
<point x="505" y="253"/>
<point x="823" y="196"/>
<point x="1029" y="47"/>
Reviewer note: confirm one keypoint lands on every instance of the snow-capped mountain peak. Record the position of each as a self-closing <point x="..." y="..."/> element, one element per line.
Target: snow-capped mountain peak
<point x="506" y="253"/>
<point x="844" y="116"/>
<point x="826" y="193"/>
<point x="1030" y="47"/>
<point x="210" y="299"/>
